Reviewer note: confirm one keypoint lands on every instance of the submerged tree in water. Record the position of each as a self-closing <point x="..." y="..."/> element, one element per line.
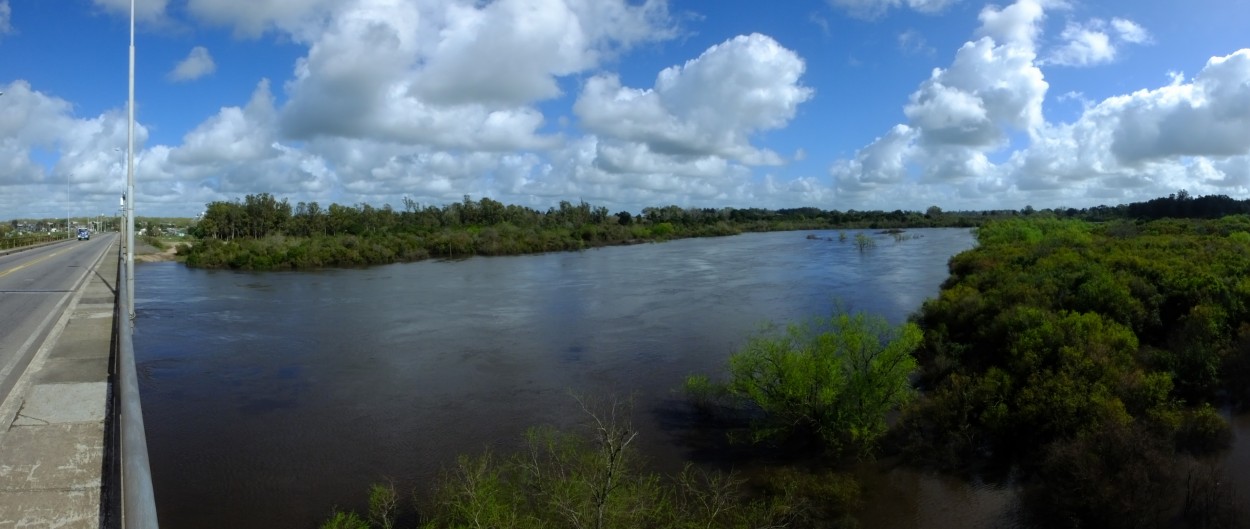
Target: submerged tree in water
<point x="832" y="380"/>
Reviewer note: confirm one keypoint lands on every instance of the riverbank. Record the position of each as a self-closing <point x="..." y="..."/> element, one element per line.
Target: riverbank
<point x="150" y="254"/>
<point x="146" y="252"/>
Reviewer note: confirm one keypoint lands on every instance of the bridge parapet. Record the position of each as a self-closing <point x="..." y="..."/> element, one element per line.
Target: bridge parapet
<point x="68" y="457"/>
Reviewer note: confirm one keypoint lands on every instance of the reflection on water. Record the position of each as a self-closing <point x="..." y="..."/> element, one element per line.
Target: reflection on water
<point x="270" y="398"/>
<point x="1236" y="463"/>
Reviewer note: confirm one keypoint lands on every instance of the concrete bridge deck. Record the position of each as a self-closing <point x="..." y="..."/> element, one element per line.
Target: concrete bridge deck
<point x="54" y="470"/>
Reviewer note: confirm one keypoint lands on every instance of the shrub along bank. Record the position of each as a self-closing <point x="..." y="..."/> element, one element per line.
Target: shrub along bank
<point x="1092" y="358"/>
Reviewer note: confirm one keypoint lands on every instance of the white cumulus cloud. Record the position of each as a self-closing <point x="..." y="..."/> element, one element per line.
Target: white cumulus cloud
<point x="1209" y="116"/>
<point x="710" y="106"/>
<point x="875" y="8"/>
<point x="454" y="75"/>
<point x="884" y="162"/>
<point x="1192" y="134"/>
<point x="1130" y="31"/>
<point x="6" y="17"/>
<point x="234" y="135"/>
<point x="145" y="10"/>
<point x="1095" y="42"/>
<point x="1084" y="45"/>
<point x="197" y="64"/>
<point x="251" y="18"/>
<point x="88" y="168"/>
<point x="960" y="113"/>
<point x="912" y="42"/>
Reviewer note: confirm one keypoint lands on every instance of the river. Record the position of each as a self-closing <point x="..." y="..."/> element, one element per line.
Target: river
<point x="271" y="398"/>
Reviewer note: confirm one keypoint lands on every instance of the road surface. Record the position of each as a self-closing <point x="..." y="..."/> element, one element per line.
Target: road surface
<point x="35" y="286"/>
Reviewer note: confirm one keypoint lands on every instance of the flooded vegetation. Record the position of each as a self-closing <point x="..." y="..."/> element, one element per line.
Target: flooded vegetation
<point x="1092" y="360"/>
<point x="288" y="394"/>
<point x="1058" y="357"/>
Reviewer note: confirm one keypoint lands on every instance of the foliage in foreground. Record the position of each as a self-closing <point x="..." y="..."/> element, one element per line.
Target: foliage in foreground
<point x="594" y="480"/>
<point x="832" y="380"/>
<point x="1089" y="356"/>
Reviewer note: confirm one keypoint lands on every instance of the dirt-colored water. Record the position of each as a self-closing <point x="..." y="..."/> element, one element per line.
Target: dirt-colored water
<point x="270" y="398"/>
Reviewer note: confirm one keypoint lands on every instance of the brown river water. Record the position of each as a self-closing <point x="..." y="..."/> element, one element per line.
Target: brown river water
<point x="271" y="398"/>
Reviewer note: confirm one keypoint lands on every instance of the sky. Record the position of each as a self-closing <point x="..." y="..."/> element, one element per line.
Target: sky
<point x="835" y="104"/>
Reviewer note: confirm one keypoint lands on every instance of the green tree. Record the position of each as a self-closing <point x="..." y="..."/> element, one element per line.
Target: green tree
<point x="595" y="480"/>
<point x="835" y="380"/>
<point x="265" y="214"/>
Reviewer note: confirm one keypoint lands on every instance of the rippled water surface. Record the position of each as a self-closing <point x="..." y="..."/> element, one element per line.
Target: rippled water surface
<point x="270" y="398"/>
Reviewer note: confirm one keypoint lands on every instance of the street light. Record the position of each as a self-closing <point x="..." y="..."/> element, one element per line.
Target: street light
<point x="121" y="204"/>
<point x="130" y="174"/>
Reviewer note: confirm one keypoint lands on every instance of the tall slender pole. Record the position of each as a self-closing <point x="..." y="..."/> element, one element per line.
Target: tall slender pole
<point x="130" y="175"/>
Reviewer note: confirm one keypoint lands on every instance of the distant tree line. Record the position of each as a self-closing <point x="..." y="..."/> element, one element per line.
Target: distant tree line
<point x="263" y="232"/>
<point x="1181" y="205"/>
<point x="262" y="215"/>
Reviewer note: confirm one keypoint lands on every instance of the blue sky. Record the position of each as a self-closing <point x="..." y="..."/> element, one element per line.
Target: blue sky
<point x="838" y="104"/>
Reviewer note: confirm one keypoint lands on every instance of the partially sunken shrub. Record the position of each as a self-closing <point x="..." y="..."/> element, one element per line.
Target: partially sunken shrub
<point x="1203" y="431"/>
<point x="1120" y="476"/>
<point x="832" y="382"/>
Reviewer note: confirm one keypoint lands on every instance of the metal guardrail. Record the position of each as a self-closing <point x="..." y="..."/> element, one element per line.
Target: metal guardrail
<point x="28" y="240"/>
<point x="138" y="501"/>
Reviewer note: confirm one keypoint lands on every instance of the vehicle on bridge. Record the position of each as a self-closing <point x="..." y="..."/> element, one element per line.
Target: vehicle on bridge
<point x="83" y="234"/>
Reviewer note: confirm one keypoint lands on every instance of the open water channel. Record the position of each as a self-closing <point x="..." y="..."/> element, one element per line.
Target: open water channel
<point x="270" y="398"/>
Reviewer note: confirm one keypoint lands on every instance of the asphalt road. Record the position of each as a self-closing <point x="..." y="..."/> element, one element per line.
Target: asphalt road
<point x="35" y="286"/>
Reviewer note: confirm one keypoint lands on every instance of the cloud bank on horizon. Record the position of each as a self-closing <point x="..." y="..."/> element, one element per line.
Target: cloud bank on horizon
<point x="847" y="104"/>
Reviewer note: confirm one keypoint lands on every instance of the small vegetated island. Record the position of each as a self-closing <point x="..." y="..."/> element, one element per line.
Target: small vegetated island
<point x="1086" y="354"/>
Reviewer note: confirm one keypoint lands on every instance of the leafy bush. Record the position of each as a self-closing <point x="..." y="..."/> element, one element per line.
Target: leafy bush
<point x="595" y="480"/>
<point x="383" y="509"/>
<point x="345" y="520"/>
<point x="704" y="394"/>
<point x="1090" y="356"/>
<point x="864" y="243"/>
<point x="820" y="497"/>
<point x="1203" y="431"/>
<point x="833" y="381"/>
<point x="155" y="242"/>
<point x="1118" y="477"/>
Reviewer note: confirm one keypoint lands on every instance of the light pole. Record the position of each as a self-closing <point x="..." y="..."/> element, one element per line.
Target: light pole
<point x="130" y="174"/>
<point x="121" y="203"/>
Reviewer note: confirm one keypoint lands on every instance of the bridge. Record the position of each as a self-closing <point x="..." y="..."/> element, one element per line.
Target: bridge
<point x="68" y="398"/>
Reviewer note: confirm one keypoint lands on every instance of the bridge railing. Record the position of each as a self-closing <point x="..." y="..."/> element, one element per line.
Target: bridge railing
<point x="138" y="504"/>
<point x="27" y="240"/>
